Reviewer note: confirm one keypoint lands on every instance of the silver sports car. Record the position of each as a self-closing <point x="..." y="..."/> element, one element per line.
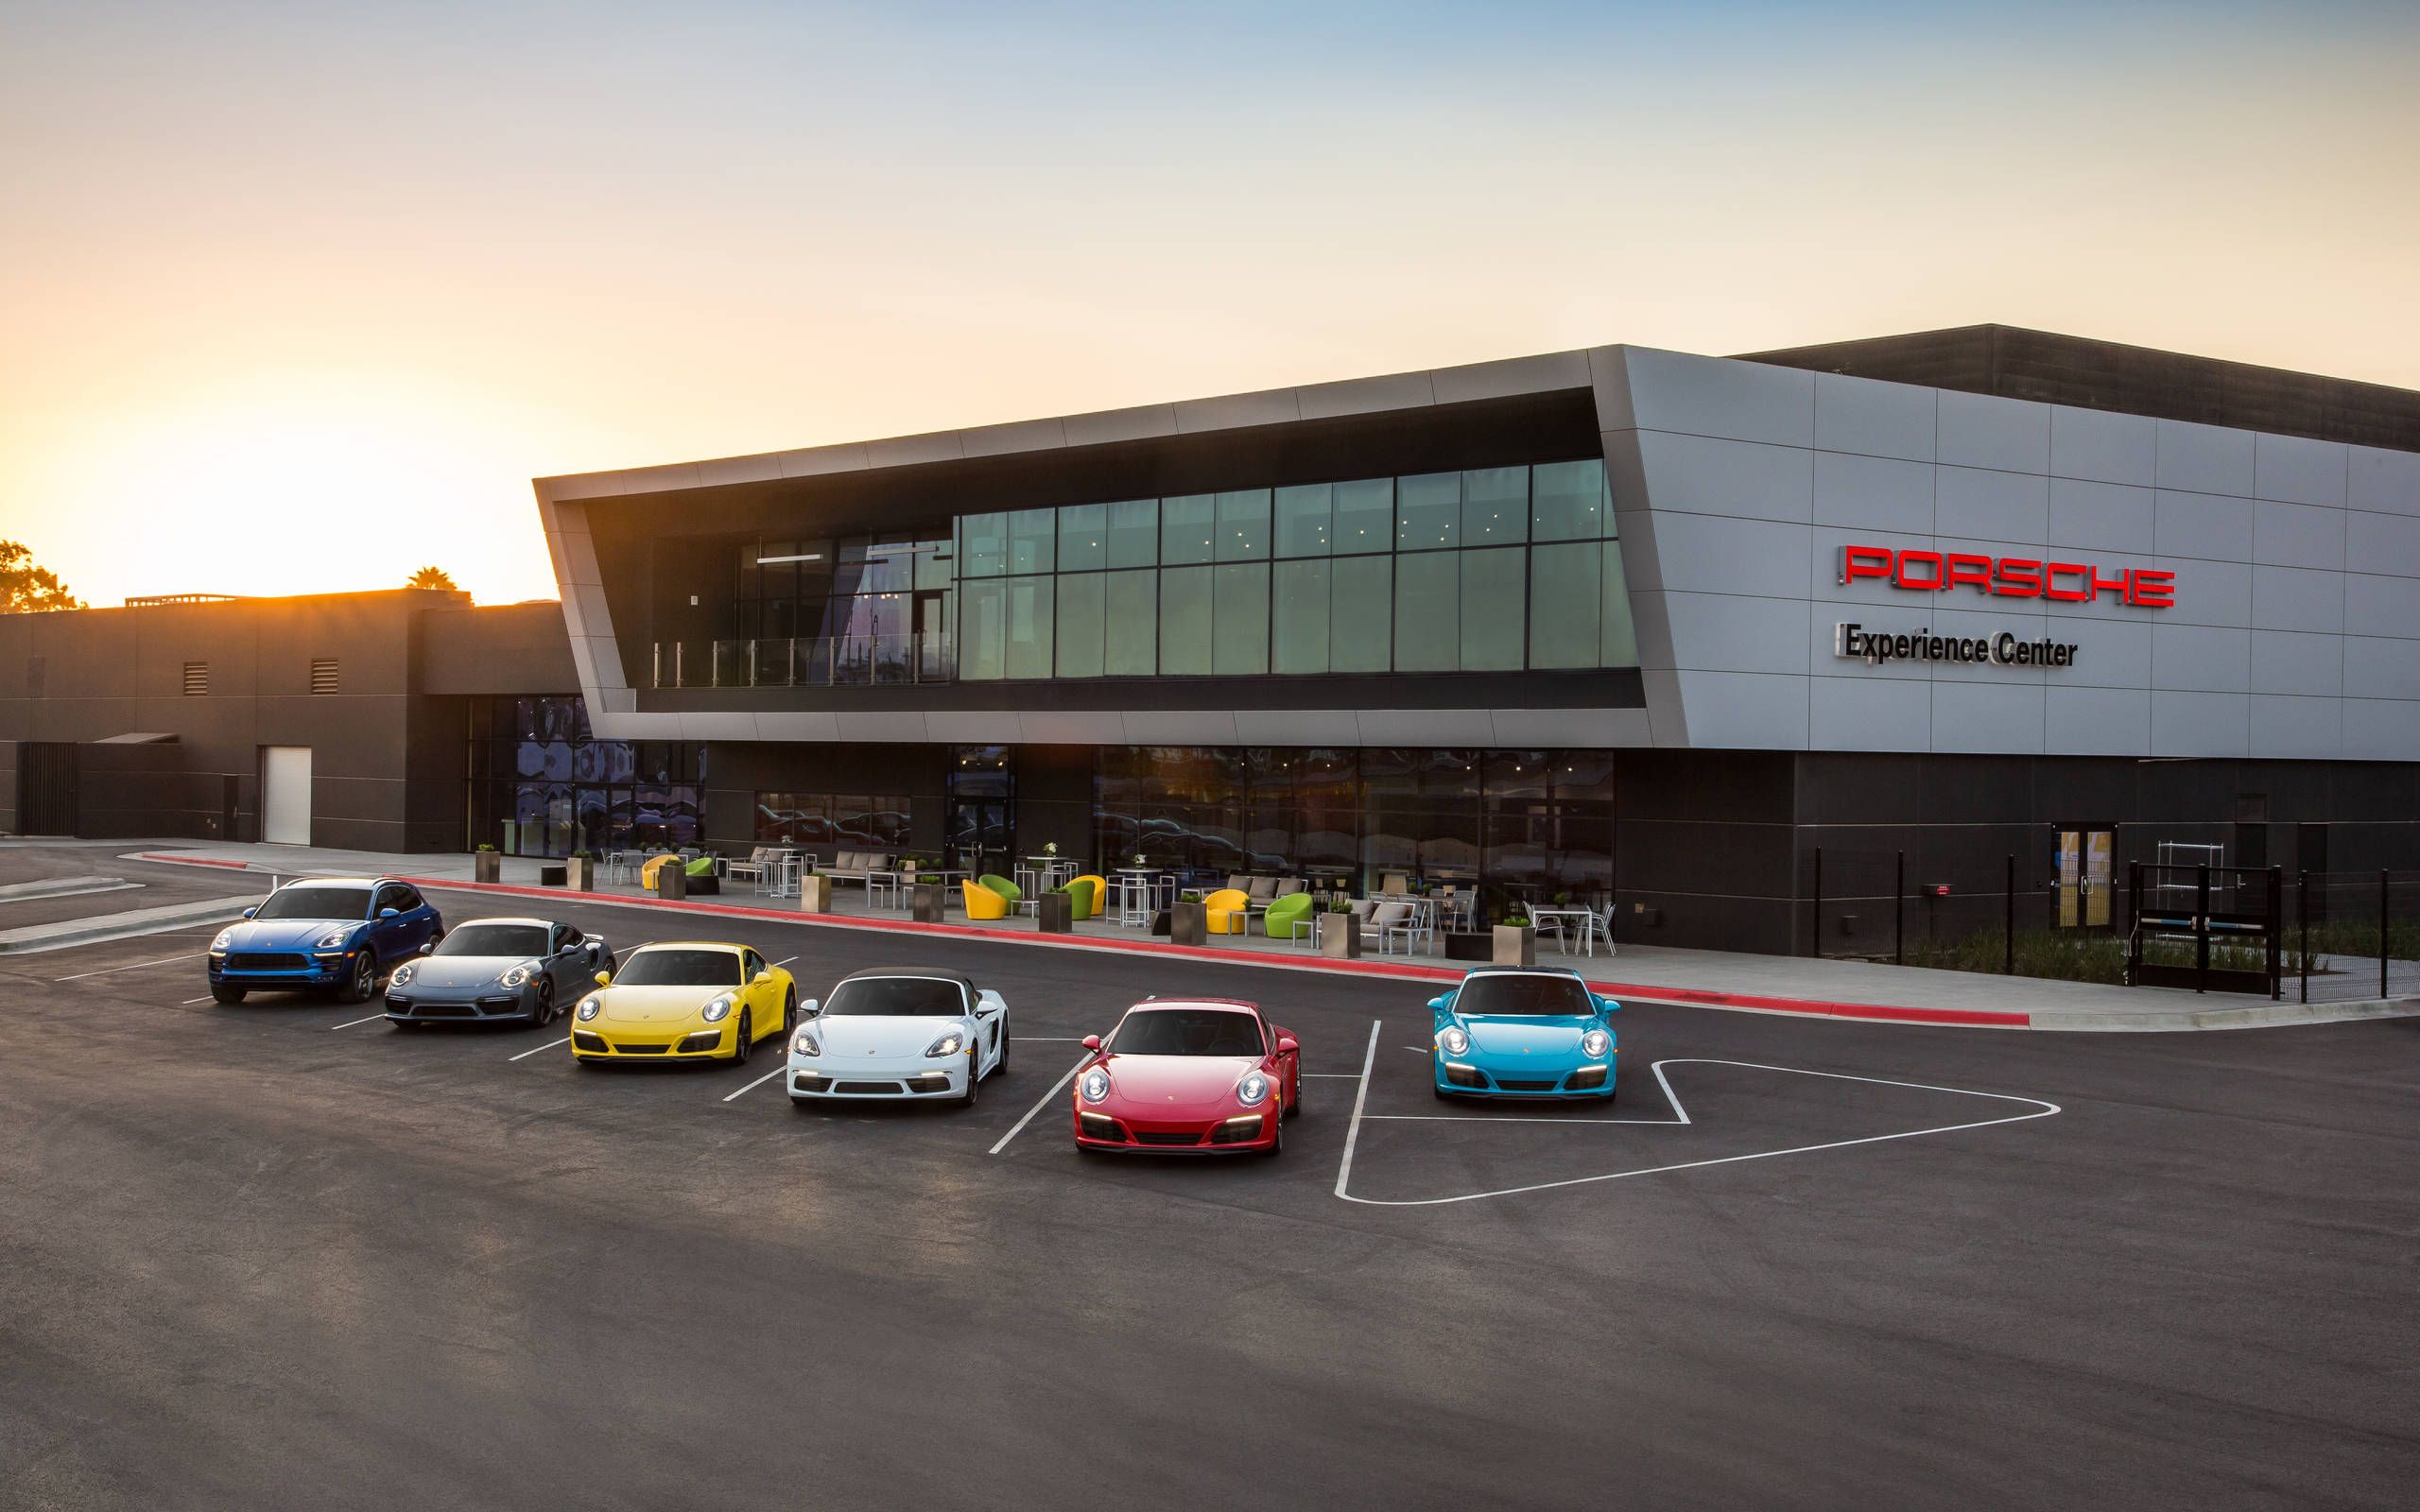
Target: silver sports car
<point x="497" y="969"/>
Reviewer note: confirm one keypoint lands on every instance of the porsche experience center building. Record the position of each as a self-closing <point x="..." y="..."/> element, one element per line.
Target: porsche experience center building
<point x="1705" y="637"/>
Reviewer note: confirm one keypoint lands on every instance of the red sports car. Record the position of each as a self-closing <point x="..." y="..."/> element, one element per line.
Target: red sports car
<point x="1197" y="1074"/>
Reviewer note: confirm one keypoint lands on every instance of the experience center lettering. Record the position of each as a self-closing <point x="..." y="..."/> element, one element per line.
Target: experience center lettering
<point x="1938" y="572"/>
<point x="1856" y="642"/>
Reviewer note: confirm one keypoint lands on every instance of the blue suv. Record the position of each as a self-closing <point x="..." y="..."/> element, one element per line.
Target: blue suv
<point x="323" y="934"/>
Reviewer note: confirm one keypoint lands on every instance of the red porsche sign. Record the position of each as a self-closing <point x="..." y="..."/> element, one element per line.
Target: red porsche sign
<point x="1937" y="571"/>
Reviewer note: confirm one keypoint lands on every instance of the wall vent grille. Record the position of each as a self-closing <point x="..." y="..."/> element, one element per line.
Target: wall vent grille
<point x="324" y="674"/>
<point x="196" y="679"/>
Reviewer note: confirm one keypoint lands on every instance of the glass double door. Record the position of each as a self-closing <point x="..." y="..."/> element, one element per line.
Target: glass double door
<point x="2085" y="860"/>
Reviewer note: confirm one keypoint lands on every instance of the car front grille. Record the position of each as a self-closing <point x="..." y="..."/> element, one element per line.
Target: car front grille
<point x="1142" y="1138"/>
<point x="267" y="961"/>
<point x="1504" y="1085"/>
<point x="441" y="1010"/>
<point x="642" y="1050"/>
<point x="869" y="1088"/>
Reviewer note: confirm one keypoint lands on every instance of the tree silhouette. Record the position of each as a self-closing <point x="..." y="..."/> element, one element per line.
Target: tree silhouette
<point x="25" y="589"/>
<point x="431" y="577"/>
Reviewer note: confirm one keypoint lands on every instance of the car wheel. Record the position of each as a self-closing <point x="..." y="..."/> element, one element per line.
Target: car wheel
<point x="745" y="1041"/>
<point x="221" y="992"/>
<point x="1276" y="1142"/>
<point x="365" y="978"/>
<point x="1434" y="1085"/>
<point x="789" y="1008"/>
<point x="1294" y="1103"/>
<point x="403" y="1025"/>
<point x="974" y="1080"/>
<point x="545" y="1012"/>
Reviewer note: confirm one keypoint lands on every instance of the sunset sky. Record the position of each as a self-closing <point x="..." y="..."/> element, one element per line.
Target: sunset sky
<point x="299" y="297"/>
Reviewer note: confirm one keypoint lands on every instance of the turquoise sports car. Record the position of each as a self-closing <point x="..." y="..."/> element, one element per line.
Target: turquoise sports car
<point x="1523" y="1032"/>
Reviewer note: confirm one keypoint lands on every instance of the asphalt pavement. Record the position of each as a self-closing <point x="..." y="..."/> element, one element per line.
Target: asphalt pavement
<point x="274" y="1256"/>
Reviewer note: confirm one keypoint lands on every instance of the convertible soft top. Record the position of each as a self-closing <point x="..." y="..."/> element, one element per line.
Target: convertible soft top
<point x="926" y="973"/>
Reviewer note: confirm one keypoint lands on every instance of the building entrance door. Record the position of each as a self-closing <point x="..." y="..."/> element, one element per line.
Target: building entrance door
<point x="286" y="795"/>
<point x="46" y="796"/>
<point x="2085" y="861"/>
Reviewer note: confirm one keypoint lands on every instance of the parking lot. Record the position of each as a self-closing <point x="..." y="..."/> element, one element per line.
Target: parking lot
<point x="280" y="1255"/>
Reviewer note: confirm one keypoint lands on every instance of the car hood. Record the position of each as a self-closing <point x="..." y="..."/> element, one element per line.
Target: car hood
<point x="657" y="1005"/>
<point x="1512" y="1036"/>
<point x="1147" y="1082"/>
<point x="884" y="1037"/>
<point x="461" y="971"/>
<point x="285" y="933"/>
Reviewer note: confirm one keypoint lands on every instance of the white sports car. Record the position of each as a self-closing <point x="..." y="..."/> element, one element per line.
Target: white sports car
<point x="899" y="1032"/>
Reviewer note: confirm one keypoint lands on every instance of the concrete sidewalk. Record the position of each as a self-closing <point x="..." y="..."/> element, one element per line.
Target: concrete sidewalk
<point x="1719" y="979"/>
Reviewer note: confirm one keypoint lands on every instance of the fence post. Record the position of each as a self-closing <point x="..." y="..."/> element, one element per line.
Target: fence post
<point x="2383" y="920"/>
<point x="2276" y="939"/>
<point x="2306" y="913"/>
<point x="1899" y="913"/>
<point x="1818" y="942"/>
<point x="2202" y="927"/>
<point x="2007" y="925"/>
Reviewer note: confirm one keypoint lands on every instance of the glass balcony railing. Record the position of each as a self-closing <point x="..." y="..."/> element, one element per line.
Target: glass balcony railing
<point x="807" y="661"/>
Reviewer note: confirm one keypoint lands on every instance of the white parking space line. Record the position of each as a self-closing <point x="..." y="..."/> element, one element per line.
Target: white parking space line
<point x="1047" y="1038"/>
<point x="373" y="1019"/>
<point x="1360" y="1096"/>
<point x="785" y="960"/>
<point x="1065" y="1077"/>
<point x="190" y="1001"/>
<point x="1680" y="1114"/>
<point x="1334" y="1075"/>
<point x="759" y="1081"/>
<point x="130" y="966"/>
<point x="549" y="1045"/>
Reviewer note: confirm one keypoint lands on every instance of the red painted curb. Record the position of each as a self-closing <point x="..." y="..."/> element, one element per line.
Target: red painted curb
<point x="1405" y="970"/>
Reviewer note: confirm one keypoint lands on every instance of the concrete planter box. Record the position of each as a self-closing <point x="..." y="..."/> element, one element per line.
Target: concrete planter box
<point x="1188" y="924"/>
<point x="579" y="875"/>
<point x="1054" y="913"/>
<point x="928" y="902"/>
<point x="487" y="865"/>
<point x="814" y="894"/>
<point x="671" y="882"/>
<point x="1516" y="945"/>
<point x="1341" y="935"/>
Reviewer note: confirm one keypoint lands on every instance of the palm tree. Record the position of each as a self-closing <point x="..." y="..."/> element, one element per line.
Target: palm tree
<point x="431" y="577"/>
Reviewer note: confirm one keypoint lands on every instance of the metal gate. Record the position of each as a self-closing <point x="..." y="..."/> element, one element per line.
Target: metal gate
<point x="46" y="796"/>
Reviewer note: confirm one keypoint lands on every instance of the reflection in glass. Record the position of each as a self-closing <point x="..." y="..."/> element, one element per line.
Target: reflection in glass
<point x="1365" y="517"/>
<point x="1428" y="635"/>
<point x="1079" y="610"/>
<point x="1564" y="624"/>
<point x="1188" y="527"/>
<point x="1298" y="623"/>
<point x="1240" y="647"/>
<point x="1243" y="525"/>
<point x="1302" y="515"/>
<point x="1493" y="612"/>
<point x="1569" y="502"/>
<point x="1360" y="614"/>
<point x="1130" y="623"/>
<point x="1496" y="506"/>
<point x="1428" y="511"/>
<point x="1185" y="622"/>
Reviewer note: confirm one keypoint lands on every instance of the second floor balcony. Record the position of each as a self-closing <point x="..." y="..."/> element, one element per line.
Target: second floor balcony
<point x="807" y="661"/>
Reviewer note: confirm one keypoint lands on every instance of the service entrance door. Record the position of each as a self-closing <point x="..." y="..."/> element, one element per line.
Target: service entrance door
<point x="286" y="795"/>
<point x="2084" y="854"/>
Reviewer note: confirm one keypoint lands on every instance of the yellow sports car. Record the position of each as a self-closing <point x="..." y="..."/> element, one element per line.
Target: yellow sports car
<point x="684" y="998"/>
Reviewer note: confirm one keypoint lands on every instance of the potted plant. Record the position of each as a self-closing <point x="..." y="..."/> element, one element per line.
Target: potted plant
<point x="580" y="870"/>
<point x="815" y="893"/>
<point x="487" y="864"/>
<point x="1515" y="939"/>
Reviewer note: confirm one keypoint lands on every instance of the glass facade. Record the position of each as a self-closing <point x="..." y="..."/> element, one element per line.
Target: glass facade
<point x="1498" y="569"/>
<point x="1533" y="824"/>
<point x="542" y="785"/>
<point x="849" y="821"/>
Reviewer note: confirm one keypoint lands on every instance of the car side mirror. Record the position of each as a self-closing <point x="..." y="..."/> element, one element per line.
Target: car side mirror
<point x="428" y="946"/>
<point x="1608" y="1005"/>
<point x="604" y="979"/>
<point x="811" y="1008"/>
<point x="1287" y="1044"/>
<point x="390" y="913"/>
<point x="1091" y="1042"/>
<point x="761" y="978"/>
<point x="1437" y="1005"/>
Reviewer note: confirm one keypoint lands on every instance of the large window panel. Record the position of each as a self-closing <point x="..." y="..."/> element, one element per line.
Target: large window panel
<point x="1428" y="633"/>
<point x="1243" y="525"/>
<point x="1496" y="506"/>
<point x="1188" y="527"/>
<point x="1494" y="618"/>
<point x="1428" y="511"/>
<point x="1241" y="620"/>
<point x="1185" y="622"/>
<point x="1360" y="614"/>
<point x="1365" y="517"/>
<point x="1569" y="502"/>
<point x="1031" y="535"/>
<point x="1302" y="515"/>
<point x="1299" y="620"/>
<point x="982" y="545"/>
<point x="982" y="631"/>
<point x="1029" y="641"/>
<point x="1134" y="533"/>
<point x="1131" y="627"/>
<point x="1619" y="645"/>
<point x="1083" y="536"/>
<point x="1566" y="624"/>
<point x="1081" y="602"/>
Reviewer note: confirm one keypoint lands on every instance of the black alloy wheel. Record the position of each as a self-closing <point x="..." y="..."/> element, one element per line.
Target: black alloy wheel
<point x="740" y="1050"/>
<point x="545" y="1012"/>
<point x="221" y="993"/>
<point x="365" y="978"/>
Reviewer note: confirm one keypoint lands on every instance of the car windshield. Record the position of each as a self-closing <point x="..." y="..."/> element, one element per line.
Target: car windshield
<point x="520" y="941"/>
<point x="1512" y="995"/>
<point x="681" y="968"/>
<point x="1187" y="1032"/>
<point x="307" y="900"/>
<point x="901" y="997"/>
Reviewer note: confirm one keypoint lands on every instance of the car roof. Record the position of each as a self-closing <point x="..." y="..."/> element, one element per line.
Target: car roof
<point x="1153" y="1005"/>
<point x="505" y="919"/>
<point x="332" y="882"/>
<point x="964" y="982"/>
<point x="1564" y="972"/>
<point x="689" y="945"/>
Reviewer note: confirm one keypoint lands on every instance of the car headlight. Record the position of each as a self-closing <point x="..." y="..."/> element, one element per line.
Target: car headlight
<point x="515" y="976"/>
<point x="589" y="1006"/>
<point x="1094" y="1087"/>
<point x="806" y="1045"/>
<point x="948" y="1045"/>
<point x="1454" y="1041"/>
<point x="334" y="939"/>
<point x="1596" y="1042"/>
<point x="1254" y="1090"/>
<point x="717" y="1010"/>
<point x="401" y="976"/>
<point x="218" y="946"/>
